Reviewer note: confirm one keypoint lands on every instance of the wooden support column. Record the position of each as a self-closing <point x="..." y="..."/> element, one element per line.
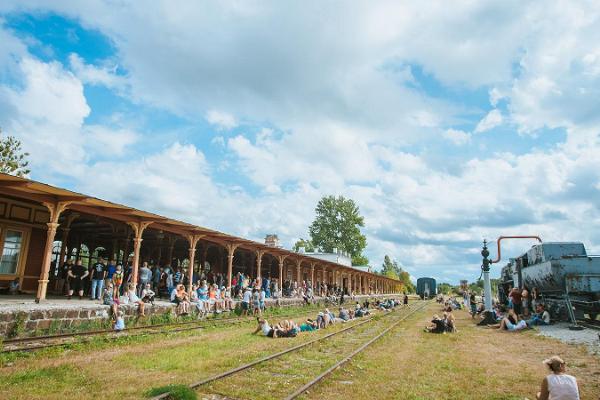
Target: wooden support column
<point x="114" y="251"/>
<point x="171" y="240"/>
<point x="65" y="238"/>
<point x="312" y="276"/>
<point x="193" y="241"/>
<point x="259" y="256"/>
<point x="230" y="247"/>
<point x="280" y="261"/>
<point x="138" y="229"/>
<point x="298" y="277"/>
<point x="55" y="210"/>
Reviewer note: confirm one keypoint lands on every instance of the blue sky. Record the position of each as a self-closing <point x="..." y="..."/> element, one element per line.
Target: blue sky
<point x="445" y="126"/>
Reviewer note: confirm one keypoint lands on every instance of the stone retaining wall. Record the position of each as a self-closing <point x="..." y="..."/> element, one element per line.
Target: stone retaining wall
<point x="56" y="320"/>
<point x="52" y="318"/>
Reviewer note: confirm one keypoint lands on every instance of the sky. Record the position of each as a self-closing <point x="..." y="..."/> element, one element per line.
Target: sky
<point x="446" y="125"/>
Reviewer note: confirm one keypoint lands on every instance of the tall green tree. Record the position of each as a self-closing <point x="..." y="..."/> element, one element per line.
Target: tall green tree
<point x="391" y="269"/>
<point x="307" y="244"/>
<point x="13" y="160"/>
<point x="337" y="226"/>
<point x="388" y="268"/>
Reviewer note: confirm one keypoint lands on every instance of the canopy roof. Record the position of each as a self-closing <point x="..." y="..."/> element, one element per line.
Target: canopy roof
<point x="39" y="192"/>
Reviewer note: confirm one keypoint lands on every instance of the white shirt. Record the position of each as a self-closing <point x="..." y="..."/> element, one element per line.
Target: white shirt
<point x="265" y="328"/>
<point x="247" y="296"/>
<point x="562" y="387"/>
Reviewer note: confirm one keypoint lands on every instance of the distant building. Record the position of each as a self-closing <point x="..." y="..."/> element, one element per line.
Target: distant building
<point x="272" y="241"/>
<point x="363" y="268"/>
<point x="336" y="256"/>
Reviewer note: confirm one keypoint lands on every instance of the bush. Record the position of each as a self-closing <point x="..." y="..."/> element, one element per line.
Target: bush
<point x="176" y="392"/>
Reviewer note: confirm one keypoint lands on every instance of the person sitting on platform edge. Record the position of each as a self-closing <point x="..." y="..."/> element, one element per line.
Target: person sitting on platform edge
<point x="134" y="299"/>
<point x="148" y="294"/>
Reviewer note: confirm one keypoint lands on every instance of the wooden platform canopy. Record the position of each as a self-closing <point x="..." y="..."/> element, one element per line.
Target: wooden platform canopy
<point x="57" y="203"/>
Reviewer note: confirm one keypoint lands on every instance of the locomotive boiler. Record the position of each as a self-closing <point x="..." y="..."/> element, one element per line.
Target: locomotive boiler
<point x="565" y="276"/>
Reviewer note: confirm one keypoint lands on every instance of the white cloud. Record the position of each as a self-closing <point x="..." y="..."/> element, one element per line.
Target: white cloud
<point x="346" y="115"/>
<point x="495" y="96"/>
<point x="48" y="111"/>
<point x="457" y="136"/>
<point x="94" y="75"/>
<point x="109" y="141"/>
<point x="490" y="121"/>
<point x="220" y="119"/>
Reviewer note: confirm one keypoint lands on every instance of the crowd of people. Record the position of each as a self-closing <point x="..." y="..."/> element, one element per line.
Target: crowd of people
<point x="289" y="328"/>
<point x="74" y="279"/>
<point x="113" y="284"/>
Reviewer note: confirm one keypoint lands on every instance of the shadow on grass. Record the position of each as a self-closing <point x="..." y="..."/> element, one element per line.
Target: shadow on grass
<point x="176" y="392"/>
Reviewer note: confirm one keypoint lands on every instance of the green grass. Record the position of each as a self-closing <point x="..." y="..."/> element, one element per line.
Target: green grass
<point x="474" y="363"/>
<point x="125" y="367"/>
<point x="176" y="392"/>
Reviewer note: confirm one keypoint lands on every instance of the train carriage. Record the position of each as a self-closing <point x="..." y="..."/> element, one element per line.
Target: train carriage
<point x="426" y="288"/>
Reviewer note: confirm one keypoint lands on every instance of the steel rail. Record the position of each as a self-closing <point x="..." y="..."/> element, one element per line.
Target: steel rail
<point x="150" y="330"/>
<point x="349" y="357"/>
<point x="269" y="357"/>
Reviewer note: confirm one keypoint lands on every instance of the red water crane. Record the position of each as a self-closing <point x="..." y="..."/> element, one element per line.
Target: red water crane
<point x="512" y="237"/>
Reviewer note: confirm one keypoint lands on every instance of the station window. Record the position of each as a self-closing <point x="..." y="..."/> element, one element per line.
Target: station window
<point x="11" y="252"/>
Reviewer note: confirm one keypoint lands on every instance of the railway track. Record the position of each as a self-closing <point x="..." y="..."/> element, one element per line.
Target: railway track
<point x="315" y="354"/>
<point x="589" y="323"/>
<point x="27" y="344"/>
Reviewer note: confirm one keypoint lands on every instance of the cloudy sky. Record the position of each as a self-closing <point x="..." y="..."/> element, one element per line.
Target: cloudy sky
<point x="445" y="124"/>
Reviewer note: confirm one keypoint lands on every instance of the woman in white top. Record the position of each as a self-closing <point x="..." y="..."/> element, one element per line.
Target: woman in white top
<point x="558" y="385"/>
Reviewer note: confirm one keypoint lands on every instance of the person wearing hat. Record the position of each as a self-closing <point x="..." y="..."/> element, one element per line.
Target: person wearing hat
<point x="558" y="385"/>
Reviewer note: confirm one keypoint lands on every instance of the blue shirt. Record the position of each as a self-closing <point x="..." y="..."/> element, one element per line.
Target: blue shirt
<point x="110" y="270"/>
<point x="203" y="293"/>
<point x="120" y="324"/>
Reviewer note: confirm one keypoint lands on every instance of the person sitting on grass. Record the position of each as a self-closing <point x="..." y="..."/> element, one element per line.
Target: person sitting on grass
<point x="266" y="329"/>
<point x="134" y="299"/>
<point x="308" y="326"/>
<point x="119" y="323"/>
<point x="321" y="323"/>
<point x="541" y="317"/>
<point x="438" y="325"/>
<point x="148" y="294"/>
<point x="450" y="321"/>
<point x="511" y="322"/>
<point x="344" y="315"/>
<point x="287" y="328"/>
<point x="558" y="385"/>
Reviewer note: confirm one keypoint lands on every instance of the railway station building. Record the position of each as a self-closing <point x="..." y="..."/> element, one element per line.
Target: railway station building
<point x="43" y="225"/>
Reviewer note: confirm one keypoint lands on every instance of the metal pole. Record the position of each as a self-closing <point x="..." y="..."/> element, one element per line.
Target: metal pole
<point x="487" y="287"/>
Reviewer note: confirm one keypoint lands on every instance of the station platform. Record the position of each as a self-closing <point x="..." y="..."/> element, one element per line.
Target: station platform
<point x="21" y="316"/>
